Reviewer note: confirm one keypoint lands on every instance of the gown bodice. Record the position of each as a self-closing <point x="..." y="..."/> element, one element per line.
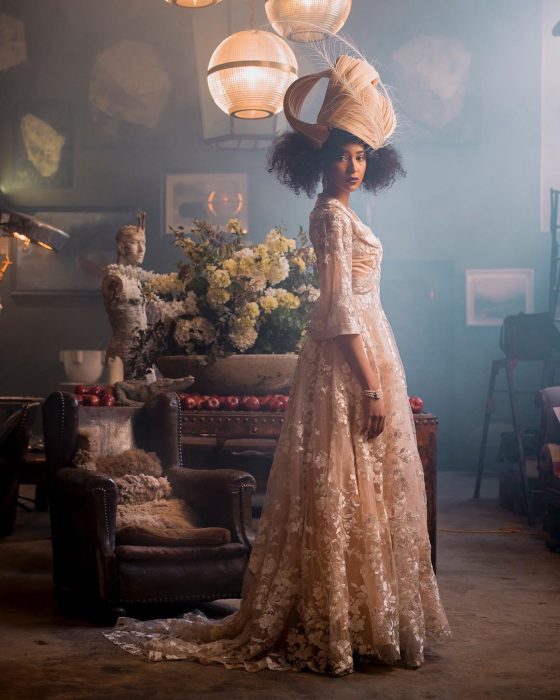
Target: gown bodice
<point x="366" y="249"/>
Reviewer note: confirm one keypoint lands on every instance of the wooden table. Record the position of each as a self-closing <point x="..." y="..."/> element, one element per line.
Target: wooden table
<point x="223" y="426"/>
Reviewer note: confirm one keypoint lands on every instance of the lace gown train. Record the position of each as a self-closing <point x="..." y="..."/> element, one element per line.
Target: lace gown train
<point x="341" y="565"/>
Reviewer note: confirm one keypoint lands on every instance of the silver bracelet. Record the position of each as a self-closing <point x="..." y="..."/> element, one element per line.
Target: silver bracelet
<point x="373" y="393"/>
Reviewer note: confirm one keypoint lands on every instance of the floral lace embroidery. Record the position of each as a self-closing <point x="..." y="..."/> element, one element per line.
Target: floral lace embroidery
<point x="341" y="565"/>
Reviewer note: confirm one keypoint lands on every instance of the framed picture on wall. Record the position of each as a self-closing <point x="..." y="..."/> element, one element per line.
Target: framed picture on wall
<point x="79" y="267"/>
<point x="491" y="295"/>
<point x="42" y="146"/>
<point x="213" y="197"/>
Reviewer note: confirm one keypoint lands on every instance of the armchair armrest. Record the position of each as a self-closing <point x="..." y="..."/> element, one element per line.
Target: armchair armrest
<point x="83" y="522"/>
<point x="220" y="497"/>
<point x="86" y="500"/>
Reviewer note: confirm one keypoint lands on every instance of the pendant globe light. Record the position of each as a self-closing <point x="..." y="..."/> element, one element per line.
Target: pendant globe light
<point x="249" y="72"/>
<point x="193" y="3"/>
<point x="307" y="20"/>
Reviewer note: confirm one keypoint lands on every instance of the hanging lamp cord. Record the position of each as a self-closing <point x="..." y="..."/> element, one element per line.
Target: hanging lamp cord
<point x="252" y="14"/>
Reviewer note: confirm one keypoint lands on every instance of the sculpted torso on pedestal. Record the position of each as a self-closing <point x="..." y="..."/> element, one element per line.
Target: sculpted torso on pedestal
<point x="122" y="292"/>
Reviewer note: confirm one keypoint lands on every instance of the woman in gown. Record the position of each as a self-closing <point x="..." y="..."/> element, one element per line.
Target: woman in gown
<point x="341" y="566"/>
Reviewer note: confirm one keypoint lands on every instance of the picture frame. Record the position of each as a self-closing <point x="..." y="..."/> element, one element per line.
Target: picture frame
<point x="42" y="146"/>
<point x="214" y="197"/>
<point x="493" y="294"/>
<point x="79" y="267"/>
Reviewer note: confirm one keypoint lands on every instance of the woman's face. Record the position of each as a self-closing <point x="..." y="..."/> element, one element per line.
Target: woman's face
<point x="346" y="172"/>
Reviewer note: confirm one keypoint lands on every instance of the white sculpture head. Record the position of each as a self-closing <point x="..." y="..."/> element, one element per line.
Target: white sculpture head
<point x="131" y="242"/>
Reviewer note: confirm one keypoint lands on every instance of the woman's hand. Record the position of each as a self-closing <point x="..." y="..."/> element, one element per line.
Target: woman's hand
<point x="374" y="417"/>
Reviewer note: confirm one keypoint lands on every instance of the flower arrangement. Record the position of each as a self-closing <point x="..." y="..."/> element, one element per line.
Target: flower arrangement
<point x="229" y="296"/>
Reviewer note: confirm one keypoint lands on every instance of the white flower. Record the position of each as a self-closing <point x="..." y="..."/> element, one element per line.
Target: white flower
<point x="243" y="333"/>
<point x="278" y="271"/>
<point x="313" y="293"/>
<point x="244" y="253"/>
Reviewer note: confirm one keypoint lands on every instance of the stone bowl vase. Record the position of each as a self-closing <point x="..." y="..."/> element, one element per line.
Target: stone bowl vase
<point x="235" y="374"/>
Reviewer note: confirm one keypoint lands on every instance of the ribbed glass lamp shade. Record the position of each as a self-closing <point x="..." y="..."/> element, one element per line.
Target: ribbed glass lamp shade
<point x="307" y="20"/>
<point x="249" y="72"/>
<point x="193" y="3"/>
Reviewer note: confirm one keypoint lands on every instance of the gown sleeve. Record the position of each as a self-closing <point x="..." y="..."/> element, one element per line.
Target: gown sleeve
<point x="334" y="312"/>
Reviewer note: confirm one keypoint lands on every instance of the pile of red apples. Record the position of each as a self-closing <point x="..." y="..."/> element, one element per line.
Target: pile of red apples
<point x="102" y="395"/>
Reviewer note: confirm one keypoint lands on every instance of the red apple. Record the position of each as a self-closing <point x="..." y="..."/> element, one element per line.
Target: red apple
<point x="80" y="389"/>
<point x="416" y="404"/>
<point x="188" y="403"/>
<point x="213" y="403"/>
<point x="250" y="403"/>
<point x="107" y="400"/>
<point x="283" y="403"/>
<point x="90" y="399"/>
<point x="274" y="404"/>
<point x="265" y="399"/>
<point x="201" y="402"/>
<point x="231" y="403"/>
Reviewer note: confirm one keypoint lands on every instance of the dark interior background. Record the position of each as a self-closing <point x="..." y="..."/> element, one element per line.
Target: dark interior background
<point x="470" y="199"/>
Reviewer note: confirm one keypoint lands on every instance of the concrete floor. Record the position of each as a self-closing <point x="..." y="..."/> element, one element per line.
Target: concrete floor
<point x="499" y="583"/>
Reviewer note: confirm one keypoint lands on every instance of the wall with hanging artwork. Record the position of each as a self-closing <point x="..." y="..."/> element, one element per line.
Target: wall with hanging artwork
<point x="117" y="104"/>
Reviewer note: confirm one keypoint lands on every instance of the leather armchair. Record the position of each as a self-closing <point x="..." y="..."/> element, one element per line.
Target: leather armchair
<point x="90" y="565"/>
<point x="14" y="437"/>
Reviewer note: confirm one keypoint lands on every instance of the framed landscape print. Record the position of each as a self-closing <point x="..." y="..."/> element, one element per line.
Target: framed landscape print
<point x="213" y="197"/>
<point x="491" y="295"/>
<point x="79" y="267"/>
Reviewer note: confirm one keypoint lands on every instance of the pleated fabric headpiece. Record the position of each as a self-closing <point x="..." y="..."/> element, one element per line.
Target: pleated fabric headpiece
<point x="355" y="101"/>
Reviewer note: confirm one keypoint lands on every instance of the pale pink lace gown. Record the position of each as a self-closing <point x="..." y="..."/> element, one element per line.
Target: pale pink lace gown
<point x="341" y="565"/>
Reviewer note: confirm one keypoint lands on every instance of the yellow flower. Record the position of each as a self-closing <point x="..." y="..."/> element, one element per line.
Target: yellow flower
<point x="216" y="296"/>
<point x="251" y="310"/>
<point x="287" y="299"/>
<point x="188" y="245"/>
<point x="243" y="337"/>
<point x="299" y="263"/>
<point x="279" y="244"/>
<point x="230" y="266"/>
<point x="262" y="251"/>
<point x="268" y="304"/>
<point x="234" y="226"/>
<point x="246" y="266"/>
<point x="219" y="278"/>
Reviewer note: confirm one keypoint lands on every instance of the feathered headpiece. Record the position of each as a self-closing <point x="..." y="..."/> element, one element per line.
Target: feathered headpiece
<point x="355" y="101"/>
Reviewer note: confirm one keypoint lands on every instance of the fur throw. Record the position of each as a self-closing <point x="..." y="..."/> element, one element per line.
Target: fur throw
<point x="129" y="462"/>
<point x="146" y="505"/>
<point x="167" y="518"/>
<point x="141" y="488"/>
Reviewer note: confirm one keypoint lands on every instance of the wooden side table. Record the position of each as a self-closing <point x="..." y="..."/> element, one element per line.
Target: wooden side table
<point x="238" y="425"/>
